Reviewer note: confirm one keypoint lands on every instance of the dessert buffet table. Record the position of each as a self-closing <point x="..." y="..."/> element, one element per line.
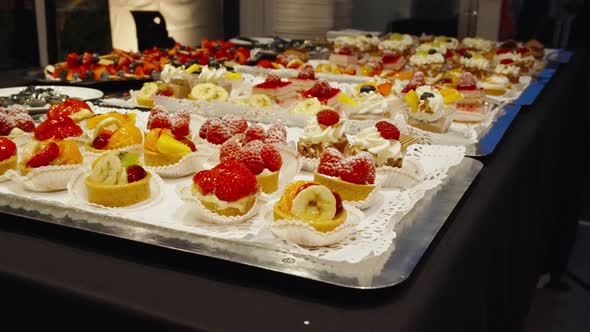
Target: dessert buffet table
<point x="478" y="274"/>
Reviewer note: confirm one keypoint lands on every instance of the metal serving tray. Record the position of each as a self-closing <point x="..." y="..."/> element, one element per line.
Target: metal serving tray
<point x="415" y="232"/>
<point x="489" y="138"/>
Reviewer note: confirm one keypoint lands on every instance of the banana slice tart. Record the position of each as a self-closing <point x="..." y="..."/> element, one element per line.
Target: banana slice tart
<point x="208" y="92"/>
<point x="118" y="180"/>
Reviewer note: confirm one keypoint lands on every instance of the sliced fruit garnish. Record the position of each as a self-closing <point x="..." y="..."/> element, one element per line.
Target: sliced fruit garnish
<point x="450" y="95"/>
<point x="345" y="99"/>
<point x="385" y="88"/>
<point x="45" y="156"/>
<point x="135" y="173"/>
<point x="168" y="145"/>
<point x="127" y="118"/>
<point x="69" y="153"/>
<point x="412" y="100"/>
<point x="314" y="203"/>
<point x="125" y="136"/>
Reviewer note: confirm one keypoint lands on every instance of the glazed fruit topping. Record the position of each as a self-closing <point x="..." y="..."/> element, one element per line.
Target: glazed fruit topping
<point x="467" y="55"/>
<point x="59" y="128"/>
<point x="344" y="50"/>
<point x="101" y="140"/>
<point x="7" y="148"/>
<point x="358" y="169"/>
<point x="306" y="72"/>
<point x="328" y="118"/>
<point x="390" y="57"/>
<point x="339" y="207"/>
<point x="44" y="157"/>
<point x="387" y="130"/>
<point x="367" y="88"/>
<point x="385" y="88"/>
<point x="416" y="81"/>
<point x="502" y="51"/>
<point x="321" y="88"/>
<point x="466" y="82"/>
<point x="184" y="140"/>
<point x="135" y="173"/>
<point x="506" y="61"/>
<point x="273" y="79"/>
<point x="229" y="181"/>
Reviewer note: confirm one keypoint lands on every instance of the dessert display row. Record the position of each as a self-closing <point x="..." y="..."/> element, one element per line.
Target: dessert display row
<point x="229" y="175"/>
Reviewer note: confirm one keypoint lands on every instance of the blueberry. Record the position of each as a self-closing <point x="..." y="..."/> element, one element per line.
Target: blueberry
<point x="90" y="75"/>
<point x="217" y="47"/>
<point x="426" y="95"/>
<point x="431" y="51"/>
<point x="211" y="58"/>
<point x="467" y="55"/>
<point x="367" y="88"/>
<point x="76" y="76"/>
<point x="63" y="74"/>
<point x="176" y="63"/>
<point x="95" y="58"/>
<point x="214" y="64"/>
<point x="104" y="75"/>
<point x="121" y="73"/>
<point x="132" y="66"/>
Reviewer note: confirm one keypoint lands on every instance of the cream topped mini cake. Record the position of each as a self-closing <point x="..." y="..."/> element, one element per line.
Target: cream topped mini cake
<point x="398" y="43"/>
<point x="430" y="62"/>
<point x="495" y="85"/>
<point x="343" y="56"/>
<point x="475" y="63"/>
<point x="393" y="60"/>
<point x="381" y="141"/>
<point x="324" y="130"/>
<point x="427" y="110"/>
<point x="508" y="68"/>
<point x="276" y="89"/>
<point x="472" y="107"/>
<point x="478" y="44"/>
<point x="305" y="78"/>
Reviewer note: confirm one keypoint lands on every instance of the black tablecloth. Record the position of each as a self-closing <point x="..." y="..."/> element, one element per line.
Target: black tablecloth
<point x="478" y="275"/>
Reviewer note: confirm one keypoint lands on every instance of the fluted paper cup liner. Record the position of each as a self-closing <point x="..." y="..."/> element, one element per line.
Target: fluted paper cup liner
<point x="46" y="178"/>
<point x="373" y="199"/>
<point x="206" y="215"/>
<point x="401" y="177"/>
<point x="302" y="233"/>
<point x="189" y="164"/>
<point x="79" y="192"/>
<point x="291" y="165"/>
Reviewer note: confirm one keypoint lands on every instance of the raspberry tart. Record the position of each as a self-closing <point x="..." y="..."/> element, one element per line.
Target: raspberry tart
<point x="352" y="177"/>
<point x="326" y="94"/>
<point x="16" y="123"/>
<point x="227" y="190"/>
<point x="218" y="131"/>
<point x="117" y="180"/>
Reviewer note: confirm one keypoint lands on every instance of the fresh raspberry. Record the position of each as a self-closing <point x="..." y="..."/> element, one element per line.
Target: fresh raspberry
<point x="229" y="150"/>
<point x="24" y="121"/>
<point x="253" y="133"/>
<point x="205" y="180"/>
<point x="328" y="118"/>
<point x="236" y="124"/>
<point x="276" y="134"/>
<point x="278" y="127"/>
<point x="330" y="161"/>
<point x="254" y="145"/>
<point x="271" y="157"/>
<point x="217" y="133"/>
<point x="7" y="148"/>
<point x="306" y="72"/>
<point x="321" y="88"/>
<point x="466" y="80"/>
<point x="387" y="130"/>
<point x="235" y="181"/>
<point x="252" y="159"/>
<point x="16" y="109"/>
<point x="205" y="127"/>
<point x="180" y="126"/>
<point x="183" y="114"/>
<point x="45" y="156"/>
<point x="6" y="124"/>
<point x="506" y="61"/>
<point x="272" y="79"/>
<point x="416" y="81"/>
<point x="159" y="119"/>
<point x="356" y="169"/>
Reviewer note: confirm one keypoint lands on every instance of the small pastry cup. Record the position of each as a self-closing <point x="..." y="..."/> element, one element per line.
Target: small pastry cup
<point x="118" y="195"/>
<point x="269" y="183"/>
<point x="347" y="191"/>
<point x="188" y="164"/>
<point x="6" y="165"/>
<point x="410" y="174"/>
<point x="207" y="214"/>
<point x="302" y="233"/>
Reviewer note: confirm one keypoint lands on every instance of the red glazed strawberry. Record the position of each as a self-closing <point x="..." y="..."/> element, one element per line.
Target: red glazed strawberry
<point x="253" y="133"/>
<point x="387" y="130"/>
<point x="356" y="169"/>
<point x="229" y="150"/>
<point x="235" y="181"/>
<point x="135" y="173"/>
<point x="44" y="157"/>
<point x="328" y="118"/>
<point x="60" y="127"/>
<point x="271" y="157"/>
<point x="329" y="162"/>
<point x="7" y="148"/>
<point x="217" y="132"/>
<point x="506" y="61"/>
<point x="236" y="124"/>
<point x="76" y="104"/>
<point x="205" y="181"/>
<point x="252" y="159"/>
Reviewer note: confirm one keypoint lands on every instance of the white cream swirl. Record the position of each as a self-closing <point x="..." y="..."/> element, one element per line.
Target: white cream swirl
<point x="429" y="109"/>
<point x="241" y="204"/>
<point x="401" y="44"/>
<point x="362" y="43"/>
<point x="480" y="63"/>
<point x="439" y="47"/>
<point x="211" y="75"/>
<point x="427" y="59"/>
<point x="170" y="73"/>
<point x="369" y="139"/>
<point x="510" y="70"/>
<point x="478" y="43"/>
<point x="315" y="133"/>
